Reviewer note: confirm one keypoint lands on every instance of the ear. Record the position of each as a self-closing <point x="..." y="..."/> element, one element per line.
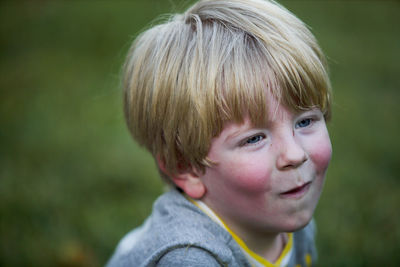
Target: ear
<point x="188" y="180"/>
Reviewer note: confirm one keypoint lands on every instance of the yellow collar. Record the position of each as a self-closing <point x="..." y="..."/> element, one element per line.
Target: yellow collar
<point x="253" y="257"/>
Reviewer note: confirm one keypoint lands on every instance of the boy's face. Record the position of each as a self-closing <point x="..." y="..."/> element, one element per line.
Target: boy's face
<point x="268" y="179"/>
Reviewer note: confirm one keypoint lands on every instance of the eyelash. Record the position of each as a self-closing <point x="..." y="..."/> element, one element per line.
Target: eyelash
<point x="253" y="140"/>
<point x="308" y="120"/>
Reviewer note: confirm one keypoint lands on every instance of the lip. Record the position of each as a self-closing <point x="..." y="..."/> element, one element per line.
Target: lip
<point x="297" y="192"/>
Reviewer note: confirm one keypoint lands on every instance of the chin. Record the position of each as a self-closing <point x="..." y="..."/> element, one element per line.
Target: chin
<point x="298" y="222"/>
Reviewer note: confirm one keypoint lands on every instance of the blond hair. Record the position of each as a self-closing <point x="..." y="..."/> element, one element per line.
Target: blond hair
<point x="185" y="78"/>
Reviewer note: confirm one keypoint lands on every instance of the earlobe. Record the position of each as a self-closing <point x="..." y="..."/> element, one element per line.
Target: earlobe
<point x="187" y="180"/>
<point x="190" y="184"/>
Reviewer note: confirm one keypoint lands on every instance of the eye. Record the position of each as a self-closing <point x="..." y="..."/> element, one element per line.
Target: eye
<point x="254" y="139"/>
<point x="304" y="123"/>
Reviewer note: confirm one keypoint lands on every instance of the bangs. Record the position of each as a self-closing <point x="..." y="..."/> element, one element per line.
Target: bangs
<point x="250" y="70"/>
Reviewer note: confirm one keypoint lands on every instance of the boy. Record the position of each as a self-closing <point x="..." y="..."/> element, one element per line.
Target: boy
<point x="231" y="99"/>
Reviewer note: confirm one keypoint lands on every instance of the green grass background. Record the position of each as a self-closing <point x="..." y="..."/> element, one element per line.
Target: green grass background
<point x="72" y="181"/>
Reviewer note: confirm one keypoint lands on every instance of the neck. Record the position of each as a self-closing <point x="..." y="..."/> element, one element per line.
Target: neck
<point x="267" y="245"/>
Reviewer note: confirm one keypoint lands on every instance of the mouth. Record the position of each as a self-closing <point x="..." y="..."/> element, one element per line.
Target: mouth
<point x="297" y="192"/>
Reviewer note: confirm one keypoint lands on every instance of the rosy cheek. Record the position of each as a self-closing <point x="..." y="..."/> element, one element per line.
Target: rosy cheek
<point x="251" y="177"/>
<point x="321" y="154"/>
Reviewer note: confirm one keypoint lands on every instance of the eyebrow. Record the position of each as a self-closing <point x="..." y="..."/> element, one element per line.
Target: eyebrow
<point x="242" y="129"/>
<point x="233" y="135"/>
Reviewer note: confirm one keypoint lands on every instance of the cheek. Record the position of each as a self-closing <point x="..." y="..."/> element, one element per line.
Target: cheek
<point x="249" y="176"/>
<point x="321" y="153"/>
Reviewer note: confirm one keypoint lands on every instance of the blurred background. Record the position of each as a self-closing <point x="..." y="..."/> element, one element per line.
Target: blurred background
<point x="72" y="182"/>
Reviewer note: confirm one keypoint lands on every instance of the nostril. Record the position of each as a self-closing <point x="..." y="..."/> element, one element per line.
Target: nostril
<point x="291" y="159"/>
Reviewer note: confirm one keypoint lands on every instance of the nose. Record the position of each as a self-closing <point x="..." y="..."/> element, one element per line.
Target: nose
<point x="291" y="153"/>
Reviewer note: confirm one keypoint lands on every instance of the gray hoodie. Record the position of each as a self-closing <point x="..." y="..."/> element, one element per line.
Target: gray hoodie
<point x="178" y="233"/>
